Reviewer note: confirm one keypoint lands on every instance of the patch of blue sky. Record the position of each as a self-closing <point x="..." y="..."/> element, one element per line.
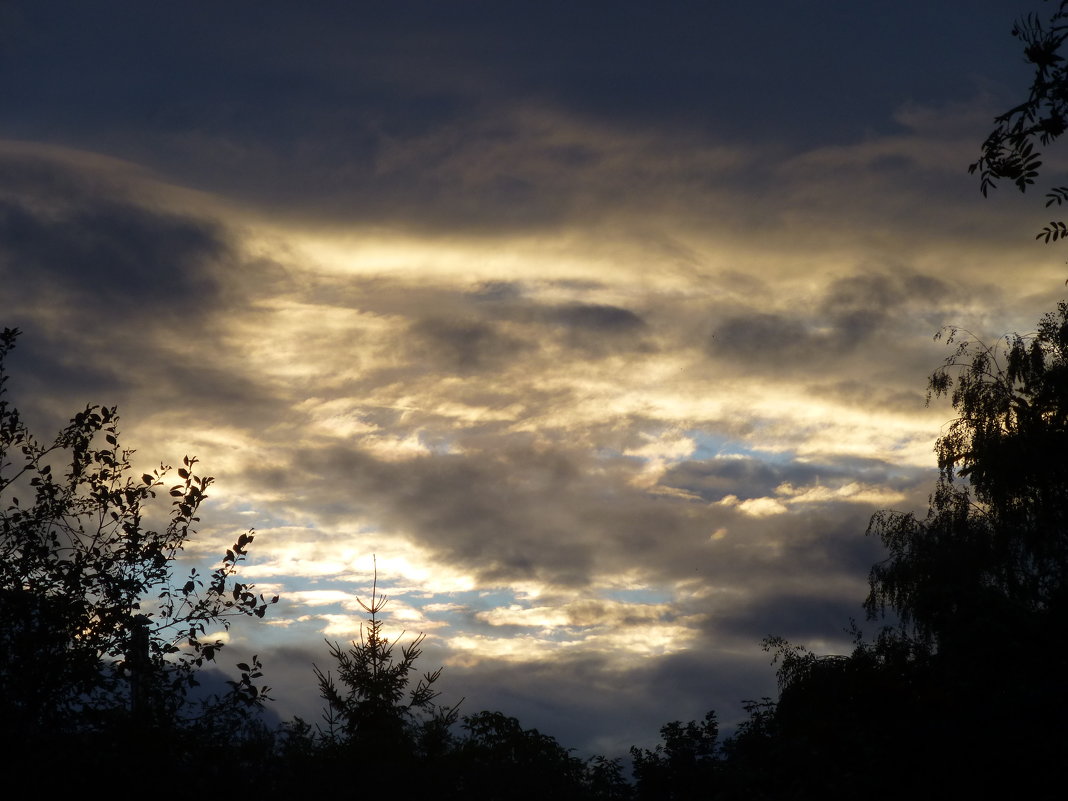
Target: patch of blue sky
<point x="610" y="453"/>
<point x="711" y="446"/>
<point x="438" y="443"/>
<point x="561" y="633"/>
<point x="484" y="599"/>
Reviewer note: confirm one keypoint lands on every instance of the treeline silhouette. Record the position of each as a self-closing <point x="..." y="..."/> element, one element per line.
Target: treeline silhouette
<point x="101" y="645"/>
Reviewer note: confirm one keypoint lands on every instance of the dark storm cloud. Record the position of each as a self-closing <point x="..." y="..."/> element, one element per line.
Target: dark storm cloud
<point x="112" y="258"/>
<point x="598" y="317"/>
<point x="744" y="478"/>
<point x="77" y="241"/>
<point x="412" y="62"/>
<point x="599" y="330"/>
<point x="797" y="617"/>
<point x="496" y="328"/>
<point x="868" y="304"/>
<point x="597" y="327"/>
<point x="463" y="345"/>
<point x="354" y="108"/>
<point x="764" y="337"/>
<point x="713" y="479"/>
<point x="791" y="550"/>
<point x="851" y="313"/>
<point x="518" y="513"/>
<point x="113" y="294"/>
<point x="871" y="395"/>
<point x="497" y="291"/>
<point x="865" y="341"/>
<point x="750" y="477"/>
<point x="692" y="683"/>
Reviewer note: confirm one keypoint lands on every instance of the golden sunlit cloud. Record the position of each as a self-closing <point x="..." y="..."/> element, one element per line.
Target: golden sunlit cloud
<point x="575" y="614"/>
<point x="755" y="507"/>
<point x="787" y="497"/>
<point x="637" y="641"/>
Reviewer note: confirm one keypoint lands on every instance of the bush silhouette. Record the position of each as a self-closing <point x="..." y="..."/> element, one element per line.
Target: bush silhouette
<point x="98" y="636"/>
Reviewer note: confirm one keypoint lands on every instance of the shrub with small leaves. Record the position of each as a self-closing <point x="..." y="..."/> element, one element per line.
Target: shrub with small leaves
<point x="94" y="622"/>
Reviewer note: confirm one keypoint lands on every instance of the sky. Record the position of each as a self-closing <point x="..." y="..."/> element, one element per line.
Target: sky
<point x="602" y="329"/>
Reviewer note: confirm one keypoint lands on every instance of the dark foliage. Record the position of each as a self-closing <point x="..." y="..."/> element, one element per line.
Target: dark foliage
<point x="982" y="581"/>
<point x="1009" y="153"/>
<point x="499" y="759"/>
<point x="841" y="722"/>
<point x="99" y="644"/>
<point x="377" y="720"/>
<point x="992" y="554"/>
<point x="684" y="767"/>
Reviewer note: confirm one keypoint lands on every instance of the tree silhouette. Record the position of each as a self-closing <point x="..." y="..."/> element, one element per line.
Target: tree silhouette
<point x="376" y="704"/>
<point x="604" y="780"/>
<point x="96" y="632"/>
<point x="1009" y="151"/>
<point x="980" y="585"/>
<point x="376" y="717"/>
<point x="993" y="549"/>
<point x="499" y="759"/>
<point x="684" y="767"/>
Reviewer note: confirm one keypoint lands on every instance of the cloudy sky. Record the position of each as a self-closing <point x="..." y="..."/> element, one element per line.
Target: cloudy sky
<point x="604" y="326"/>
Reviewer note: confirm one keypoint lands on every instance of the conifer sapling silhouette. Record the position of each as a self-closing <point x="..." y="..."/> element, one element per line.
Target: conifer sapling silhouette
<point x="375" y="709"/>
